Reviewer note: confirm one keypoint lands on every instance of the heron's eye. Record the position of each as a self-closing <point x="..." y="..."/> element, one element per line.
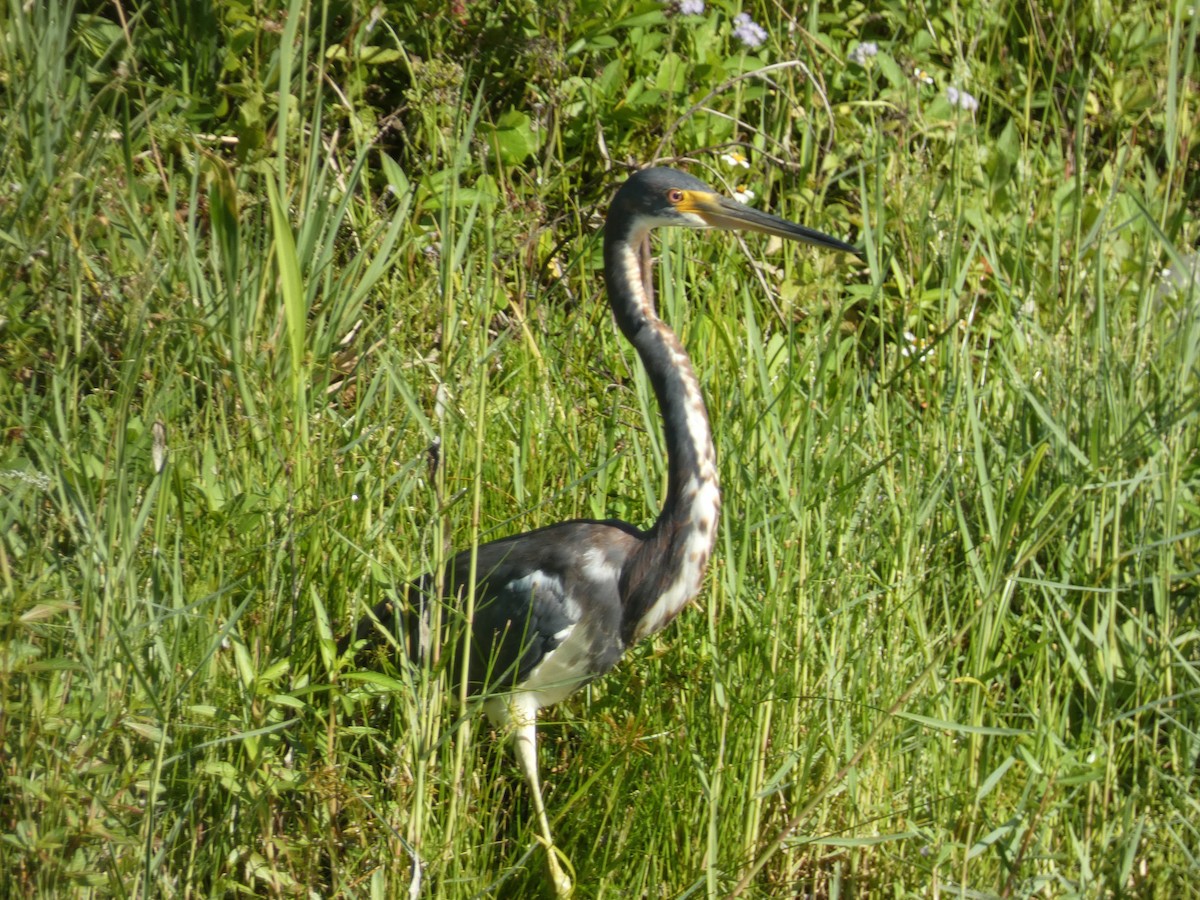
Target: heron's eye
<point x="675" y="196"/>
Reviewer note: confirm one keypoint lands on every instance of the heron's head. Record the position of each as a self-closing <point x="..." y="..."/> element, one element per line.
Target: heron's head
<point x="664" y="197"/>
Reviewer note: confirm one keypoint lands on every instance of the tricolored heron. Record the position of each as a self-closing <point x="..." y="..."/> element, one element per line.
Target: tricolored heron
<point x="556" y="607"/>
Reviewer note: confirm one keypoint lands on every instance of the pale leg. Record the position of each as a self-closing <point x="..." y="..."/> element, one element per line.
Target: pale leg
<point x="517" y="714"/>
<point x="525" y="741"/>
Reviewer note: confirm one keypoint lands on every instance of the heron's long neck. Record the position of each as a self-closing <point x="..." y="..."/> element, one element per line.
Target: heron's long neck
<point x="669" y="569"/>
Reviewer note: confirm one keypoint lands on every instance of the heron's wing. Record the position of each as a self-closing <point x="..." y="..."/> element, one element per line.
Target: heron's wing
<point x="533" y="593"/>
<point x="520" y="618"/>
<point x="541" y="591"/>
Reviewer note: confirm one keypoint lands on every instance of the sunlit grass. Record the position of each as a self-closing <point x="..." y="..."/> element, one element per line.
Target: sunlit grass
<point x="950" y="638"/>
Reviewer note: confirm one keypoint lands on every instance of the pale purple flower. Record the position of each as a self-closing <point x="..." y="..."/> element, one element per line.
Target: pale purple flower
<point x="961" y="99"/>
<point x="749" y="32"/>
<point x="691" y="7"/>
<point x="863" y="51"/>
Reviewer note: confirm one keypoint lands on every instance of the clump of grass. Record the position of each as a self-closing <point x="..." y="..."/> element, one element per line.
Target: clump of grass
<point x="297" y="303"/>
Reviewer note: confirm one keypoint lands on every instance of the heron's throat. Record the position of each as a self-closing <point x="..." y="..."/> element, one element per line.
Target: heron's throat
<point x="672" y="563"/>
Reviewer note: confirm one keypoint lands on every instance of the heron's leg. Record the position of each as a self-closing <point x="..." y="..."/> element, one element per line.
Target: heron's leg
<point x="525" y="744"/>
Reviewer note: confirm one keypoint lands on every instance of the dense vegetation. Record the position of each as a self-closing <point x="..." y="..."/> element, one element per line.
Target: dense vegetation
<point x="296" y="297"/>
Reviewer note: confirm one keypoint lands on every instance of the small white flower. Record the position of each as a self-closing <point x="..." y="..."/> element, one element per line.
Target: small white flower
<point x="733" y="159"/>
<point x="1177" y="280"/>
<point x="743" y="194"/>
<point x="916" y="347"/>
<point x="36" y="479"/>
<point x="922" y="76"/>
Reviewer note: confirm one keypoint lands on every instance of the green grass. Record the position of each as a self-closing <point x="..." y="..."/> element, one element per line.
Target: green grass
<point x="950" y="642"/>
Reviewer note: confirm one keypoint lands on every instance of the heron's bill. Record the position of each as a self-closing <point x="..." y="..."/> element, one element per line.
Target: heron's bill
<point x="723" y="212"/>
